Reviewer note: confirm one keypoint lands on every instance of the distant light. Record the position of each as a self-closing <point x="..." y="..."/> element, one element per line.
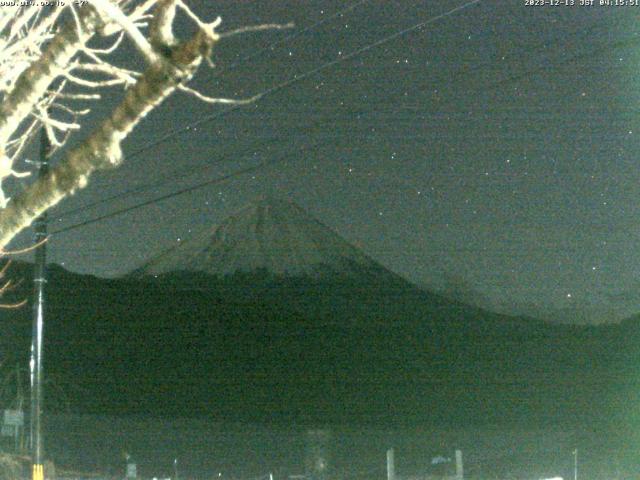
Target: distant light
<point x="568" y="295"/>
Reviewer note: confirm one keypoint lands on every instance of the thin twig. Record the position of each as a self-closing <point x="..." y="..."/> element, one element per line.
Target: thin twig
<point x="116" y="15"/>
<point x="225" y="101"/>
<point x="5" y="268"/>
<point x="13" y="305"/>
<point x="256" y="28"/>
<point x="23" y="250"/>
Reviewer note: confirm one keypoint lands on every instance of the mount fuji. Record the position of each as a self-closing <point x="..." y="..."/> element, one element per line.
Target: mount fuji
<point x="270" y="235"/>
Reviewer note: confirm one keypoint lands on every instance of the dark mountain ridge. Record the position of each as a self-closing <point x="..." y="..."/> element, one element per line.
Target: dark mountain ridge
<point x="297" y="349"/>
<point x="273" y="317"/>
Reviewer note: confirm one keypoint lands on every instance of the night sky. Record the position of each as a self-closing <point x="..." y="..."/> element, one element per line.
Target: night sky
<point x="495" y="148"/>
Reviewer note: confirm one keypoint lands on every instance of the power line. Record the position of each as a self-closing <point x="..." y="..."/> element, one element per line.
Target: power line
<point x="293" y="36"/>
<point x="178" y="173"/>
<point x="216" y="180"/>
<point x="176" y="193"/>
<point x="526" y="72"/>
<point x="305" y="75"/>
<point x="266" y="163"/>
<point x="171" y="134"/>
<point x="606" y="47"/>
<point x="174" y="132"/>
<point x="366" y="48"/>
<point x="274" y="89"/>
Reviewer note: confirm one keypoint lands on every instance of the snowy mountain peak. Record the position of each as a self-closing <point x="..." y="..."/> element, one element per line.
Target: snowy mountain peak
<point x="271" y="234"/>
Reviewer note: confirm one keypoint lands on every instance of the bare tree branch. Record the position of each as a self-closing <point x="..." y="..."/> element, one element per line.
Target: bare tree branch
<point x="115" y="14"/>
<point x="40" y="60"/>
<point x="35" y="80"/>
<point x="102" y="149"/>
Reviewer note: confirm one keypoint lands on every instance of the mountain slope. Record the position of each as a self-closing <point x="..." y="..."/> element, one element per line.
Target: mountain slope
<point x="263" y="348"/>
<point x="271" y="234"/>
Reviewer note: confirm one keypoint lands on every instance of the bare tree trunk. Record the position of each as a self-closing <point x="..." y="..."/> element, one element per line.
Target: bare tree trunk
<point x="102" y="149"/>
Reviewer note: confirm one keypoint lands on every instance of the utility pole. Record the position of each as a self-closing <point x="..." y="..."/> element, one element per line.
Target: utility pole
<point x="391" y="467"/>
<point x="575" y="464"/>
<point x="39" y="280"/>
<point x="459" y="465"/>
